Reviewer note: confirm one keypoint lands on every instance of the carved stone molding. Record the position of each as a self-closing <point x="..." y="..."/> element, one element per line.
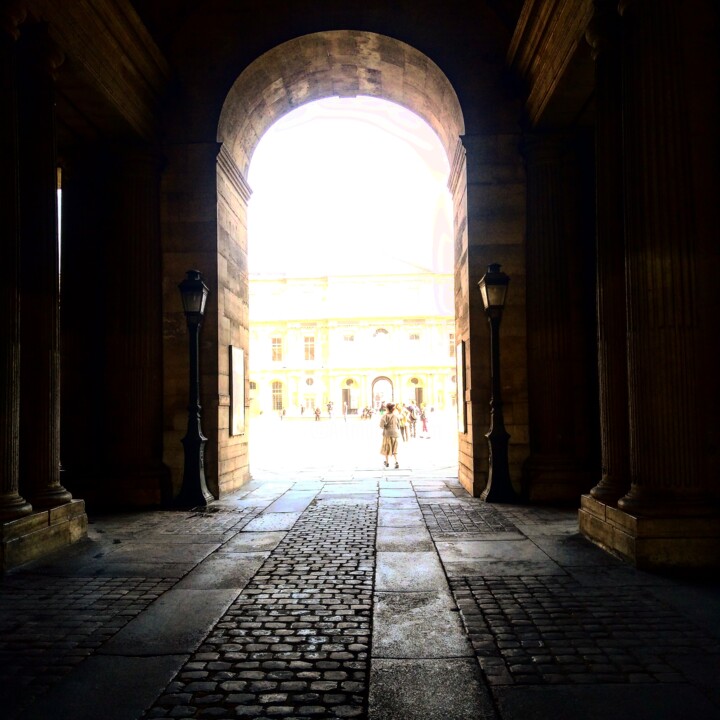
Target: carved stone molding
<point x="12" y="14"/>
<point x="102" y="37"/>
<point x="457" y="167"/>
<point x="545" y="39"/>
<point x="232" y="172"/>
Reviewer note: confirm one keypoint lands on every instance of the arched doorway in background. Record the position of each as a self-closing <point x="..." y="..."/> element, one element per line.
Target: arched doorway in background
<point x="382" y="392"/>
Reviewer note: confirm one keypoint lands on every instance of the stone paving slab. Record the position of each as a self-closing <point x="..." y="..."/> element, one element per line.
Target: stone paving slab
<point x="159" y="631"/>
<point x="111" y="688"/>
<point x="408" y="571"/>
<point x="134" y="569"/>
<point x="224" y="571"/>
<point x="455" y="536"/>
<point x="600" y="702"/>
<point x="404" y="539"/>
<point x="476" y="567"/>
<point x="249" y="541"/>
<point x="418" y="625"/>
<point x="400" y="518"/>
<point x="393" y="493"/>
<point x="575" y="550"/>
<point x="160" y="552"/>
<point x="495" y="550"/>
<point x="273" y="521"/>
<point x="398" y="503"/>
<point x="292" y="501"/>
<point x="436" y="689"/>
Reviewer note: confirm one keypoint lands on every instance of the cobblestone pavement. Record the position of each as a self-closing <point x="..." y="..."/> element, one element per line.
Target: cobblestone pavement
<point x="463" y="521"/>
<point x="551" y="629"/>
<point x="49" y="625"/>
<point x="295" y="642"/>
<point x="284" y="575"/>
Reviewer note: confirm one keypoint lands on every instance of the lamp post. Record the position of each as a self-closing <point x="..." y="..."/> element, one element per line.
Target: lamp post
<point x="194" y="490"/>
<point x="493" y="289"/>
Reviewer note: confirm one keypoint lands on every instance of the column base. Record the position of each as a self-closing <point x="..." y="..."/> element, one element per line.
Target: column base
<point x="42" y="532"/>
<point x="652" y="543"/>
<point x="13" y="506"/>
<point x="51" y="497"/>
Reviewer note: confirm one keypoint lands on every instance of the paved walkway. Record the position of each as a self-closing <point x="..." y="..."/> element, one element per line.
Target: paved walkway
<point x="357" y="593"/>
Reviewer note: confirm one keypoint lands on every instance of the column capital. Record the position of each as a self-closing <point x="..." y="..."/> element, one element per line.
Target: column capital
<point x="603" y="30"/>
<point x="628" y="7"/>
<point x="45" y="52"/>
<point x="12" y="14"/>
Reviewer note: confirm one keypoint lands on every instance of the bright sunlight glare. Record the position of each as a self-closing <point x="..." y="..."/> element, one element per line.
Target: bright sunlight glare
<point x="349" y="186"/>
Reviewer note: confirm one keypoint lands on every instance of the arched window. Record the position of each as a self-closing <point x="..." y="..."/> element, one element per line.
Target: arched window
<point x="277" y="395"/>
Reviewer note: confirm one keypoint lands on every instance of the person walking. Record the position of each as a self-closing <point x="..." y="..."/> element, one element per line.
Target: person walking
<point x="424" y="420"/>
<point x="404" y="421"/>
<point x="390" y="424"/>
<point x="412" y="419"/>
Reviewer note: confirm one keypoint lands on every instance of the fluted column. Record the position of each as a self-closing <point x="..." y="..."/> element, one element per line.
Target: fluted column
<point x="40" y="366"/>
<point x="550" y="472"/>
<point x="86" y="189"/>
<point x="605" y="38"/>
<point x="664" y="344"/>
<point x="134" y="325"/>
<point x="12" y="504"/>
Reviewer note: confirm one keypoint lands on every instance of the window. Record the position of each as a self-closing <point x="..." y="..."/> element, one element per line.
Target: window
<point x="309" y="347"/>
<point x="349" y="337"/>
<point x="451" y="345"/>
<point x="277" y="349"/>
<point x="414" y="336"/>
<point x="277" y="395"/>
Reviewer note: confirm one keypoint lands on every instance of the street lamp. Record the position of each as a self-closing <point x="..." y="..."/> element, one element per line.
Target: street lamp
<point x="194" y="490"/>
<point x="493" y="289"/>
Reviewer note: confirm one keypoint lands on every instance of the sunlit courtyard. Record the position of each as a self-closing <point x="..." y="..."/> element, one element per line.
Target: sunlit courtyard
<point x="347" y="447"/>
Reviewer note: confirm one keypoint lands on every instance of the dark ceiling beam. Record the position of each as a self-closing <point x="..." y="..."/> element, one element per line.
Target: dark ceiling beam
<point x="109" y="48"/>
<point x="546" y="39"/>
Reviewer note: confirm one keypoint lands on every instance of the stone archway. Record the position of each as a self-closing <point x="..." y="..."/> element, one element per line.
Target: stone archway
<point x="333" y="63"/>
<point x="383" y="391"/>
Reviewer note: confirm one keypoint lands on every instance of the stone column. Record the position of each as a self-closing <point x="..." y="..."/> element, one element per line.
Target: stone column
<point x="40" y="366"/>
<point x="86" y="192"/>
<point x="552" y="470"/>
<point x="605" y="38"/>
<point x="134" y="327"/>
<point x="663" y="266"/>
<point x="12" y="504"/>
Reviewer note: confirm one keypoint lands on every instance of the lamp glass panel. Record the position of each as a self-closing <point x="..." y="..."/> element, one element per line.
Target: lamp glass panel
<point x="496" y="295"/>
<point x="193" y="301"/>
<point x="484" y="293"/>
<point x="202" y="301"/>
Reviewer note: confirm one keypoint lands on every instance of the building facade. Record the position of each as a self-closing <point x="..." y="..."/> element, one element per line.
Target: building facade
<point x="354" y="342"/>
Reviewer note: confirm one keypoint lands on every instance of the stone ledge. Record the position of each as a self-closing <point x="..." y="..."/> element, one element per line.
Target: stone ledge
<point x="651" y="543"/>
<point x="42" y="532"/>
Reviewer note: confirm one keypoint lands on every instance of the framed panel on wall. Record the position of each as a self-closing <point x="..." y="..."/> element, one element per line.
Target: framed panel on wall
<point x="237" y="391"/>
<point x="460" y="382"/>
